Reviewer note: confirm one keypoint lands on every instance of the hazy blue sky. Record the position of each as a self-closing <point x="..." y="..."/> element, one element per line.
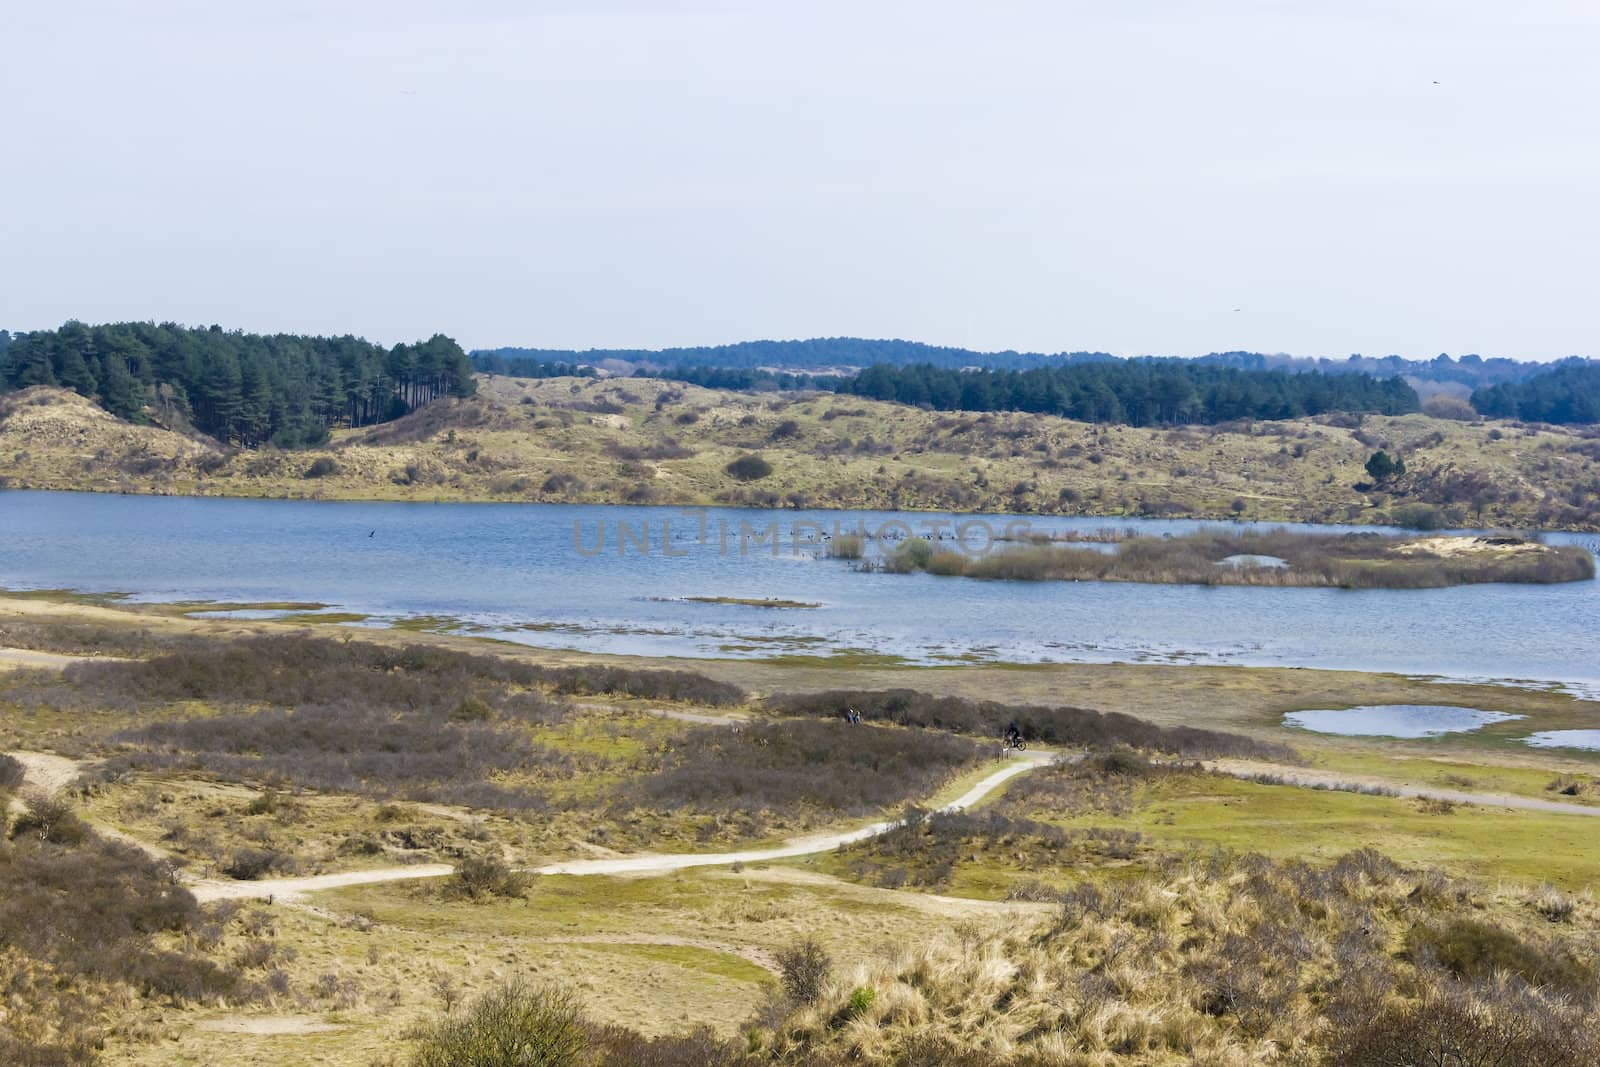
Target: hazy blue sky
<point x="1043" y="176"/>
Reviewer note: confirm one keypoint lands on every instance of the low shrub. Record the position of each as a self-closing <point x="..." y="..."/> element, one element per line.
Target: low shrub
<point x="1482" y="1027"/>
<point x="321" y="467"/>
<point x="484" y="876"/>
<point x="94" y="909"/>
<point x="250" y="864"/>
<point x="1475" y="950"/>
<point x="516" y="1025"/>
<point x="50" y="819"/>
<point x="749" y="468"/>
<point x="801" y="768"/>
<point x="1052" y="725"/>
<point x="617" y="1046"/>
<point x="803" y="970"/>
<point x="11" y="773"/>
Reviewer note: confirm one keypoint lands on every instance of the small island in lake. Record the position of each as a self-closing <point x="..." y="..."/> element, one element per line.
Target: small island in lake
<point x="1278" y="557"/>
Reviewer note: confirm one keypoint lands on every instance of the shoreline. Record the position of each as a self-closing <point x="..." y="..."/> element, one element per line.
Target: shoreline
<point x="839" y="663"/>
<point x="1229" y="521"/>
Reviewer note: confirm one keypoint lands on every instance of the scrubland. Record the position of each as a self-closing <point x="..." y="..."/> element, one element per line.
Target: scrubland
<point x="1132" y="906"/>
<point x="644" y="441"/>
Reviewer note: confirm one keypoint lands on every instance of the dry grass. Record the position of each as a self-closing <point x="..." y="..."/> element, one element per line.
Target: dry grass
<point x="1221" y="962"/>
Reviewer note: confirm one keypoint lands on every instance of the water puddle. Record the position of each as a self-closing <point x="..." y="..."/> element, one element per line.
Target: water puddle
<point x="1395" y="720"/>
<point x="1586" y="739"/>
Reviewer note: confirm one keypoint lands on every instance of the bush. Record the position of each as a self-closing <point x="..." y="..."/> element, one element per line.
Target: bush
<point x="1457" y="1028"/>
<point x="11" y="773"/>
<point x="321" y="467"/>
<point x="485" y="876"/>
<point x="801" y="768"/>
<point x="50" y="819"/>
<point x="1419" y="517"/>
<point x="749" y="468"/>
<point x="1059" y="725"/>
<point x="803" y="969"/>
<point x="250" y="864"/>
<point x="1442" y="406"/>
<point x="618" y="1046"/>
<point x="92" y="912"/>
<point x="1471" y="949"/>
<point x="517" y="1025"/>
<point x="1382" y="467"/>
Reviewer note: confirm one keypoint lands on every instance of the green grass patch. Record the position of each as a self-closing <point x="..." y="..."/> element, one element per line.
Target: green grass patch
<point x="1287" y="821"/>
<point x="689" y="957"/>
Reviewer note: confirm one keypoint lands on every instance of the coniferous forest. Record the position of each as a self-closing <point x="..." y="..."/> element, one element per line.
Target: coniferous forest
<point x="241" y="388"/>
<point x="1568" y="394"/>
<point x="1137" y="392"/>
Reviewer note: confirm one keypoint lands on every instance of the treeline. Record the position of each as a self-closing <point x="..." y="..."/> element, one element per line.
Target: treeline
<point x="241" y="388"/>
<point x="854" y="353"/>
<point x="1567" y="394"/>
<point x="744" y="379"/>
<point x="816" y="353"/>
<point x="1144" y="392"/>
<point x="525" y="367"/>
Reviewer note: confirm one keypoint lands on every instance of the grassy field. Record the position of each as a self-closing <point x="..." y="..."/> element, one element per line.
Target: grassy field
<point x="645" y="441"/>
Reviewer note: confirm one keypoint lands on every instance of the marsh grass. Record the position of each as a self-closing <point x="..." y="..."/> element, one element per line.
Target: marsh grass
<point x="1349" y="561"/>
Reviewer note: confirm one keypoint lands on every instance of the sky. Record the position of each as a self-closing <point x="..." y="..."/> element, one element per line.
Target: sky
<point x="1373" y="176"/>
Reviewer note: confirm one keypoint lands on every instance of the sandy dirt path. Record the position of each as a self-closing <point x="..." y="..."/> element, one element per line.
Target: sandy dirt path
<point x="14" y="658"/>
<point x="1312" y="779"/>
<point x="291" y="889"/>
<point x="45" y="772"/>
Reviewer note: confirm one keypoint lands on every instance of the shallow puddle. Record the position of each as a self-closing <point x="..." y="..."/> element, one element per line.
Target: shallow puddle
<point x="1395" y="720"/>
<point x="1589" y="739"/>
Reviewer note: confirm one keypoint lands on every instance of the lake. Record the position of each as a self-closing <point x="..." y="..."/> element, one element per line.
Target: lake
<point x="541" y="574"/>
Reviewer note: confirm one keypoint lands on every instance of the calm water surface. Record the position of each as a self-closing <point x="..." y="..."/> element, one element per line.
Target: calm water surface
<point x="514" y="570"/>
<point x="1395" y="720"/>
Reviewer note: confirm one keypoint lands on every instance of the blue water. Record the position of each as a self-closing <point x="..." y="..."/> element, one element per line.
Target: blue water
<point x="514" y="571"/>
<point x="1585" y="739"/>
<point x="1395" y="720"/>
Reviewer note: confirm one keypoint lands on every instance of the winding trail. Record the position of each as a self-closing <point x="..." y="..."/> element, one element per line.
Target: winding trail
<point x="291" y="889"/>
<point x="50" y="773"/>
